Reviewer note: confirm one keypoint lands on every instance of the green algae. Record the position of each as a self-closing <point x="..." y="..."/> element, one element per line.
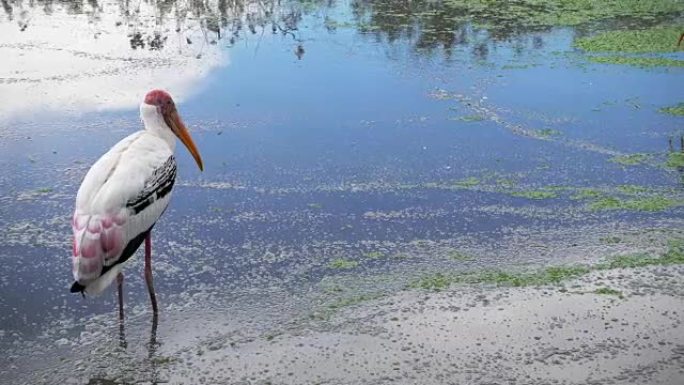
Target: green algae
<point x="608" y="291"/>
<point x="630" y="159"/>
<point x="674" y="255"/>
<point x="518" y="66"/>
<point x="373" y="254"/>
<point x="350" y="301"/>
<point x="675" y="160"/>
<point x="632" y="41"/>
<point x="677" y="110"/>
<point x="550" y="275"/>
<point x="631" y="189"/>
<point x="531" y="13"/>
<point x="546" y="133"/>
<point x="467" y="182"/>
<point x="342" y="264"/>
<point x="645" y="203"/>
<point x="586" y="193"/>
<point x="316" y="206"/>
<point x="637" y="61"/>
<point x="535" y="194"/>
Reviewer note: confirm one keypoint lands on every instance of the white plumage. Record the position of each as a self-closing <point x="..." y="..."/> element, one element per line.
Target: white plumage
<point x="123" y="195"/>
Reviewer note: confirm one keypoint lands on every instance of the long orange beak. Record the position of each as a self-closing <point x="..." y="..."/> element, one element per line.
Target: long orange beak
<point x="174" y="121"/>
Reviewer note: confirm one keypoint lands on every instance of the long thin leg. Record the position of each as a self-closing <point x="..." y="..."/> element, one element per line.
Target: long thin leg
<point x="122" y="333"/>
<point x="119" y="281"/>
<point x="148" y="271"/>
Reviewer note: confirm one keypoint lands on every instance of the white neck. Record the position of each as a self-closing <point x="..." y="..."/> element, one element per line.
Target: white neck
<point x="155" y="124"/>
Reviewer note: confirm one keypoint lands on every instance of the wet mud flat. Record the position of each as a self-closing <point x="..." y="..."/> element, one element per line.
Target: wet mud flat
<point x="616" y="321"/>
<point x="481" y="335"/>
<point x="618" y="326"/>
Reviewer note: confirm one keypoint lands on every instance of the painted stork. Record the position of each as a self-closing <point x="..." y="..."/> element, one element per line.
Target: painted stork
<point x="123" y="195"/>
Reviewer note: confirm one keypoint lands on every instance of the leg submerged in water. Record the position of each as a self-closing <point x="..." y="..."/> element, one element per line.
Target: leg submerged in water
<point x="148" y="272"/>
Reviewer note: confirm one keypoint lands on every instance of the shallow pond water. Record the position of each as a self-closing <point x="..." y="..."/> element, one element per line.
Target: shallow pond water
<point x="349" y="148"/>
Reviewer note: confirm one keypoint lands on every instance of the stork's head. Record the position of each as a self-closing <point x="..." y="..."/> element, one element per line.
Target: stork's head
<point x="166" y="109"/>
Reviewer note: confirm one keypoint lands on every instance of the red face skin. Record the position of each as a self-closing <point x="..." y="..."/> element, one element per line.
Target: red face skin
<point x="164" y="103"/>
<point x="161" y="99"/>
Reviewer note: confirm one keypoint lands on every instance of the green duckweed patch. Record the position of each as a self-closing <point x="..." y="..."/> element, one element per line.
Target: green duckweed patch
<point x="631" y="189"/>
<point x="342" y="264"/>
<point x="546" y="133"/>
<point x="315" y="206"/>
<point x="535" y="194"/>
<point x="534" y="13"/>
<point x="467" y="182"/>
<point x="632" y="41"/>
<point x="677" y="110"/>
<point x="675" y="160"/>
<point x="350" y="301"/>
<point x="518" y="66"/>
<point x="644" y="203"/>
<point x="630" y="159"/>
<point x="608" y="291"/>
<point x="373" y="254"/>
<point x="637" y="61"/>
<point x="586" y="193"/>
<point x="550" y="275"/>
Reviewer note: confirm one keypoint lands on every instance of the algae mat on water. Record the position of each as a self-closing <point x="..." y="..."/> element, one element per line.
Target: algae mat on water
<point x="646" y="41"/>
<point x="674" y="255"/>
<point x="563" y="12"/>
<point x="632" y="41"/>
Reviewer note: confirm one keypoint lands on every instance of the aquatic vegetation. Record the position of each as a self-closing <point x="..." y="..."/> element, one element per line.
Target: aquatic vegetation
<point x="316" y="206"/>
<point x="586" y="193"/>
<point x="677" y="110"/>
<point x="505" y="182"/>
<point x="608" y="291"/>
<point x="545" y="276"/>
<point x="630" y="160"/>
<point x="637" y="61"/>
<point x="632" y="41"/>
<point x="518" y="66"/>
<point x="342" y="264"/>
<point x="675" y="160"/>
<point x="466" y="183"/>
<point x="373" y="254"/>
<point x="631" y="189"/>
<point x="535" y="194"/>
<point x="550" y="275"/>
<point x="547" y="133"/>
<point x="645" y="203"/>
<point x="350" y="301"/>
<point x="559" y="12"/>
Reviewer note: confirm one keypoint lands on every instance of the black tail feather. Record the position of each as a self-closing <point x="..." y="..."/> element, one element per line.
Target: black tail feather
<point x="78" y="288"/>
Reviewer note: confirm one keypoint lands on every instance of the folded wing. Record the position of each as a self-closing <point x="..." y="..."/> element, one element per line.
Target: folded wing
<point x="120" y="199"/>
